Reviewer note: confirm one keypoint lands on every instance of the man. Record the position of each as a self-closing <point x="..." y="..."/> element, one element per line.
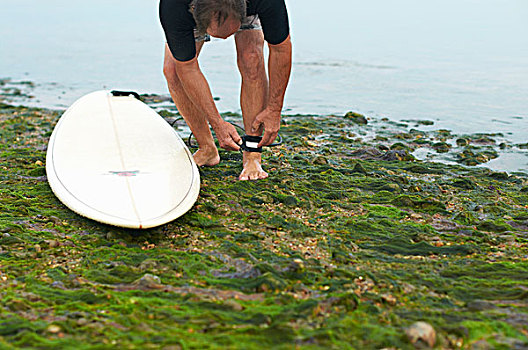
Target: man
<point x="187" y="25"/>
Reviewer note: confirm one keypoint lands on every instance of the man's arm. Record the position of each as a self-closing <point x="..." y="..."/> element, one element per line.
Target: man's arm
<point x="197" y="88"/>
<point x="279" y="67"/>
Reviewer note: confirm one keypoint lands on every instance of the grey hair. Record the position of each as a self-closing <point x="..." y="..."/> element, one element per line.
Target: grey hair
<point x="204" y="10"/>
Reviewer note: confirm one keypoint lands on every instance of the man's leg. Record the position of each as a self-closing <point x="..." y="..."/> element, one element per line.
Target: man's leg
<point x="207" y="153"/>
<point x="253" y="94"/>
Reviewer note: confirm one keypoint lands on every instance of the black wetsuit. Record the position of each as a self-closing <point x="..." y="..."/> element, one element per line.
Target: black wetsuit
<point x="178" y="24"/>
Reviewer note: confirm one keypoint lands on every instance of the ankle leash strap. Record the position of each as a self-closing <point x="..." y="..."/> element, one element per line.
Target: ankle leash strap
<point x="250" y="143"/>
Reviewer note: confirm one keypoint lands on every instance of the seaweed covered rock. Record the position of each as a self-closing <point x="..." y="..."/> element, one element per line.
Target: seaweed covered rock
<point x="356" y="118"/>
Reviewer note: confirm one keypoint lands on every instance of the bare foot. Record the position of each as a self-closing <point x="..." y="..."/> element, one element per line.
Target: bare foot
<point x="207" y="157"/>
<point x="252" y="168"/>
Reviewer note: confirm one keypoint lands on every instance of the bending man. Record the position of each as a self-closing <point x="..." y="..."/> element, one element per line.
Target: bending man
<point x="187" y="25"/>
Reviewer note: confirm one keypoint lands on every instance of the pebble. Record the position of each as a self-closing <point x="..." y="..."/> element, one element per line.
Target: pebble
<point x="52" y="328"/>
<point x="54" y="244"/>
<point x="82" y="321"/>
<point x="421" y="331"/>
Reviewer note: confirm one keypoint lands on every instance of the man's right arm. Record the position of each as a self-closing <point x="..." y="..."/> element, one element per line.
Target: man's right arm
<point x="197" y="88"/>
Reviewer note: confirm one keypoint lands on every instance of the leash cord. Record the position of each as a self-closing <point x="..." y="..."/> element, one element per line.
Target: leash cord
<point x="189" y="139"/>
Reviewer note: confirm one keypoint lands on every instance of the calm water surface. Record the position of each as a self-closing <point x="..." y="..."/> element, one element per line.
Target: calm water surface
<point x="461" y="63"/>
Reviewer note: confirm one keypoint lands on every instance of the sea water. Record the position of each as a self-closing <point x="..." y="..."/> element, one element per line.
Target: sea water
<point x="460" y="63"/>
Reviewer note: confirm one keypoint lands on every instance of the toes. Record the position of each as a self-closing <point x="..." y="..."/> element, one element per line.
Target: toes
<point x="252" y="175"/>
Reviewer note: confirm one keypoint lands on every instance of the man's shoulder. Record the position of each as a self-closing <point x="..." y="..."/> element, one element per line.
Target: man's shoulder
<point x="262" y="5"/>
<point x="175" y="15"/>
<point x="175" y="4"/>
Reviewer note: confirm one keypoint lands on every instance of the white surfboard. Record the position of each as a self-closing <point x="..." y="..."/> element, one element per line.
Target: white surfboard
<point x="115" y="160"/>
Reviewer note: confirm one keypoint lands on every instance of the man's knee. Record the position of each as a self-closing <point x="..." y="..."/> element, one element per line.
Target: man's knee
<point x="251" y="64"/>
<point x="169" y="71"/>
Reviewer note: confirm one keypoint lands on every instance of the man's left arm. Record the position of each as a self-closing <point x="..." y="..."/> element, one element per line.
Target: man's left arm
<point x="279" y="67"/>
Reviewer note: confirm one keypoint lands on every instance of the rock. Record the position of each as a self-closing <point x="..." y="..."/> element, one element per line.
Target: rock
<point x="319" y="160"/>
<point x="397" y="155"/>
<point x="52" y="328"/>
<point x="462" y="142"/>
<point x="110" y="235"/>
<point x="389" y="299"/>
<point x="172" y="347"/>
<point x="484" y="140"/>
<point x="356" y="118"/>
<point x="359" y="169"/>
<point x="464" y="183"/>
<point x="398" y="146"/>
<point x="82" y="321"/>
<point x="491" y="226"/>
<point x="297" y="265"/>
<point x="367" y="153"/>
<point x="148" y="264"/>
<point x="391" y="187"/>
<point x="479" y="305"/>
<point x="290" y="201"/>
<point x="58" y="284"/>
<point x="233" y="305"/>
<point x="148" y="281"/>
<point x="54" y="244"/>
<point x="499" y="175"/>
<point x="441" y="147"/>
<point x="421" y="332"/>
<point x="407" y="288"/>
<point x="18" y="305"/>
<point x="481" y="345"/>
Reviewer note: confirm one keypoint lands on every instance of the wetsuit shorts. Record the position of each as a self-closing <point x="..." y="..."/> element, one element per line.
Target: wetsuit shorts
<point x="179" y="25"/>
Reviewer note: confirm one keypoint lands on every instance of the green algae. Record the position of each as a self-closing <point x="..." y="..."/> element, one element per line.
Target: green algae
<point x="341" y="253"/>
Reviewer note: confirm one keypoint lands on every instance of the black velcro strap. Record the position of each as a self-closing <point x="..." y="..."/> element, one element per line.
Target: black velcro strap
<point x="250" y="143"/>
<point x="125" y="93"/>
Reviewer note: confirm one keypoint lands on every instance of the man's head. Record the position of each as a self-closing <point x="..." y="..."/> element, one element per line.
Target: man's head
<point x="218" y="18"/>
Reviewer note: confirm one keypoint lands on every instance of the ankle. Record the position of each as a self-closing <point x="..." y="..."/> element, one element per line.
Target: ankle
<point x="251" y="157"/>
<point x="208" y="148"/>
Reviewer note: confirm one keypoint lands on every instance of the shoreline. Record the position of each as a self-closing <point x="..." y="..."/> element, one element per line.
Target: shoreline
<point x="417" y="136"/>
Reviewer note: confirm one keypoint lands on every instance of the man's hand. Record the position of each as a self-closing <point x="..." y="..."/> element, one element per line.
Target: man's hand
<point x="270" y="119"/>
<point x="227" y="136"/>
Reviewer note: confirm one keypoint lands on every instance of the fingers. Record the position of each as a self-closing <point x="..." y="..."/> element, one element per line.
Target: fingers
<point x="232" y="142"/>
<point x="236" y="137"/>
<point x="257" y="124"/>
<point x="229" y="144"/>
<point x="268" y="138"/>
<point x="228" y="138"/>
